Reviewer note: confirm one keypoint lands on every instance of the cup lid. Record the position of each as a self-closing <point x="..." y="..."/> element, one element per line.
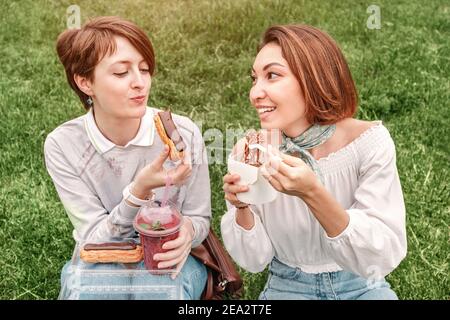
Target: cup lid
<point x="152" y="219"/>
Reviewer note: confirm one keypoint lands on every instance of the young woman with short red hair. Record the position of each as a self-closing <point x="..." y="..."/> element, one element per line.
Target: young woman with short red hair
<point x="110" y="161"/>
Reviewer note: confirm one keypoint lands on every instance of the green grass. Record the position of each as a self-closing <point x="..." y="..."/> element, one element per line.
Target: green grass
<point x="204" y="52"/>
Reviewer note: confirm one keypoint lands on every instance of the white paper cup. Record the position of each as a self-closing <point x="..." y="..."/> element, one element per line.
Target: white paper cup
<point x="260" y="190"/>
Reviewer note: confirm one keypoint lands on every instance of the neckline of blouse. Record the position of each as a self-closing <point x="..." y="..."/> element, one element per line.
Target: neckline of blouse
<point x="378" y="124"/>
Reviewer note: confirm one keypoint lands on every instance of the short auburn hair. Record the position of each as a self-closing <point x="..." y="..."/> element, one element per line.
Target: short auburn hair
<point x="80" y="50"/>
<point x="320" y="68"/>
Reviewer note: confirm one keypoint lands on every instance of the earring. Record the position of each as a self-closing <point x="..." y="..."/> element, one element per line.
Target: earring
<point x="89" y="101"/>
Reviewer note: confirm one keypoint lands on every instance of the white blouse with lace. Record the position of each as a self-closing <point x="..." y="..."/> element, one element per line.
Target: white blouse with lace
<point x="363" y="178"/>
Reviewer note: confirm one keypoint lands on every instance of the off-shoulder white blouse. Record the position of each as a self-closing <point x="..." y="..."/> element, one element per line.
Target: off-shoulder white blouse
<point x="363" y="178"/>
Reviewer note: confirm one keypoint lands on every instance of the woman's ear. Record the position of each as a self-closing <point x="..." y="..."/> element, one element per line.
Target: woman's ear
<point x="83" y="84"/>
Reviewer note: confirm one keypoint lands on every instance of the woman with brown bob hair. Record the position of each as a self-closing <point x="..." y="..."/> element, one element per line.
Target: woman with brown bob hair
<point x="337" y="226"/>
<point x="109" y="162"/>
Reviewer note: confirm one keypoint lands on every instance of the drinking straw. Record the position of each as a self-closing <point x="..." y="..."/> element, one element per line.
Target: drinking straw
<point x="166" y="191"/>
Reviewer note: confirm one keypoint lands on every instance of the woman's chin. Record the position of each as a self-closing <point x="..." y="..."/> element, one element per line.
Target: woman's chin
<point x="138" y="111"/>
<point x="269" y="125"/>
<point x="132" y="113"/>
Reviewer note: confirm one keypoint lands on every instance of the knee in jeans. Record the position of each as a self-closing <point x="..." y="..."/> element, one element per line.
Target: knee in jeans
<point x="194" y="278"/>
<point x="382" y="293"/>
<point x="262" y="295"/>
<point x="65" y="272"/>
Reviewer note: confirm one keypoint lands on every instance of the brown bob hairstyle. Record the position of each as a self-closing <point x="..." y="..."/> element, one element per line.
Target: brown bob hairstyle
<point x="321" y="70"/>
<point x="80" y="50"/>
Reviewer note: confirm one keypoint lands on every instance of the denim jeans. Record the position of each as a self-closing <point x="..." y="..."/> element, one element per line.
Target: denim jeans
<point x="111" y="281"/>
<point x="287" y="283"/>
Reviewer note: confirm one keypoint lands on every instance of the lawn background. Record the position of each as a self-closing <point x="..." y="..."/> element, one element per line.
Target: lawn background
<point x="204" y="51"/>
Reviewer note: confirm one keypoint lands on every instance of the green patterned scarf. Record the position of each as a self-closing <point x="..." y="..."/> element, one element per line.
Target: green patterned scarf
<point x="312" y="137"/>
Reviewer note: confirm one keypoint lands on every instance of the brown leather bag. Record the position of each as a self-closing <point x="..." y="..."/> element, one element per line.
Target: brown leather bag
<point x="223" y="278"/>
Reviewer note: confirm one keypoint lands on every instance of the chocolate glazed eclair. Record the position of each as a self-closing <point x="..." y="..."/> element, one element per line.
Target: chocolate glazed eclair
<point x="112" y="252"/>
<point x="169" y="134"/>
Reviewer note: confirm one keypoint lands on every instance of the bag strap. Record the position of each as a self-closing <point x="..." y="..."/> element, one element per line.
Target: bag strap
<point x="208" y="292"/>
<point x="222" y="258"/>
<point x="201" y="252"/>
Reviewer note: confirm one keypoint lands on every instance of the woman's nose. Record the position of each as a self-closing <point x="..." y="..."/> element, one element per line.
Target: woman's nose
<point x="257" y="92"/>
<point x="138" y="80"/>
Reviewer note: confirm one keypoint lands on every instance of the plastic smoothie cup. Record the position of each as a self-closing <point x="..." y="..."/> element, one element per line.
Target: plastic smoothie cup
<point x="156" y="225"/>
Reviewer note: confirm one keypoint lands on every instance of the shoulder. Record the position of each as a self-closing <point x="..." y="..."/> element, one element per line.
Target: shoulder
<point x="66" y="134"/>
<point x="371" y="139"/>
<point x="185" y="123"/>
<point x="356" y="131"/>
<point x="351" y="129"/>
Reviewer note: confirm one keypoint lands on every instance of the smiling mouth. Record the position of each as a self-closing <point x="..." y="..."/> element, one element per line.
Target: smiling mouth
<point x="263" y="110"/>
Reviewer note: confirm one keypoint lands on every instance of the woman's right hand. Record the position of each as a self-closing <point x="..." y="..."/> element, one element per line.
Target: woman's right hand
<point x="231" y="188"/>
<point x="154" y="175"/>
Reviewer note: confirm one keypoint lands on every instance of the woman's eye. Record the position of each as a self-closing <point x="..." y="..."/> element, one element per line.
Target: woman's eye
<point x="272" y="75"/>
<point x="253" y="78"/>
<point x="145" y="70"/>
<point x="120" y="74"/>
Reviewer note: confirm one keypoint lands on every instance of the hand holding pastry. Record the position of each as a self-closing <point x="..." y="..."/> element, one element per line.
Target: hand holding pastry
<point x="154" y="175"/>
<point x="231" y="188"/>
<point x="289" y="174"/>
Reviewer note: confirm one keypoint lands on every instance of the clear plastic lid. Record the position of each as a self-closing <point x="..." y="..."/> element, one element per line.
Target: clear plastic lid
<point x="154" y="219"/>
<point x="117" y="281"/>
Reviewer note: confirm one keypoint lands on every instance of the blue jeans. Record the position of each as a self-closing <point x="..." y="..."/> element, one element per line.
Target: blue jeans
<point x="287" y="283"/>
<point x="111" y="281"/>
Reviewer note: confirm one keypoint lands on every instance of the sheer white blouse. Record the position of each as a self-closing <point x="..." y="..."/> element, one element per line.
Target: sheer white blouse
<point x="363" y="178"/>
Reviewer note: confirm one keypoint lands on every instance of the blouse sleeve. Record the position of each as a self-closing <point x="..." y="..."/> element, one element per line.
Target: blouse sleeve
<point x="251" y="249"/>
<point x="374" y="242"/>
<point x="85" y="210"/>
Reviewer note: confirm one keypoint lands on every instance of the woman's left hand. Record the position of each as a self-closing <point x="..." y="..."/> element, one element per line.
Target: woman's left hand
<point x="289" y="174"/>
<point x="178" y="249"/>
